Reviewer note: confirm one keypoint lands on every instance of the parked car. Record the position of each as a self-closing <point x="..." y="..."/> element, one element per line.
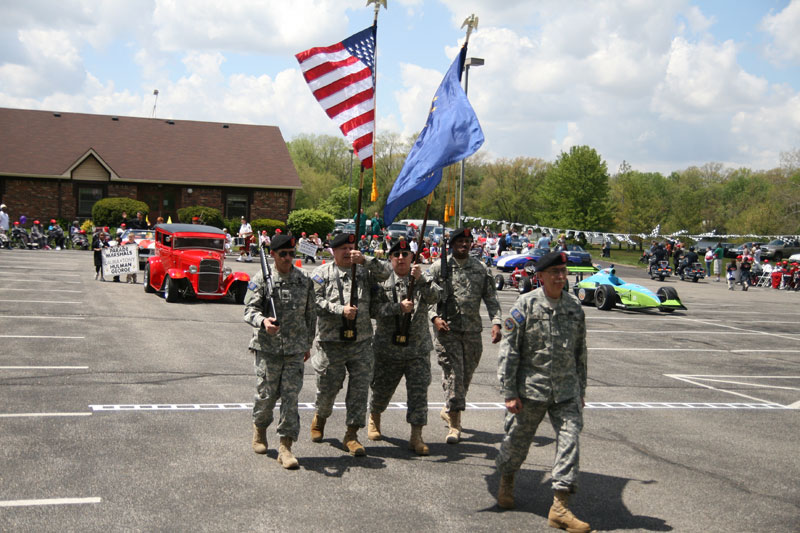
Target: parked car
<point x="779" y="248"/>
<point x="739" y="249"/>
<point x="397" y="230"/>
<point x="189" y="263"/>
<point x="577" y="255"/>
<point x="145" y="240"/>
<point x="438" y="231"/>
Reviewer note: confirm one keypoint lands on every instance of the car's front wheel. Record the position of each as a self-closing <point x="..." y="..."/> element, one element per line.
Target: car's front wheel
<point x="239" y="292"/>
<point x="499" y="282"/>
<point x="171" y="293"/>
<point x="147" y="287"/>
<point x="604" y="297"/>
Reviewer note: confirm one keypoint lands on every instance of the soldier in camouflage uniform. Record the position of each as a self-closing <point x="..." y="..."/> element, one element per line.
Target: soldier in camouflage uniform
<point x="542" y="370"/>
<point x="334" y="357"/>
<point x="458" y="340"/>
<point x="394" y="360"/>
<point x="281" y="345"/>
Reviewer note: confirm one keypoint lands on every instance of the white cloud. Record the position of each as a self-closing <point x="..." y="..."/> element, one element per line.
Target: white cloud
<point x="784" y="28"/>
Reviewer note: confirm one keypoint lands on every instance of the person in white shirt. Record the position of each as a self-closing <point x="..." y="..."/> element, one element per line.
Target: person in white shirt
<point x="228" y="240"/>
<point x="3" y="219"/>
<point x="413" y="246"/>
<point x="246" y="233"/>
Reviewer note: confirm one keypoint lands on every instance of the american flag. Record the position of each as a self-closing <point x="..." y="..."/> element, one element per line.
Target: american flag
<point x="342" y="79"/>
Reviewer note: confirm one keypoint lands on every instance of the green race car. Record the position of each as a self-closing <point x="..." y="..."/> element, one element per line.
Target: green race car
<point x="607" y="291"/>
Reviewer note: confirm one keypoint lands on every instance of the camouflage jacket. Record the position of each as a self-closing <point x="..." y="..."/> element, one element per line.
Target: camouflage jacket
<point x="294" y="304"/>
<point x="543" y="351"/>
<point x="386" y="310"/>
<point x="332" y="293"/>
<point x="463" y="292"/>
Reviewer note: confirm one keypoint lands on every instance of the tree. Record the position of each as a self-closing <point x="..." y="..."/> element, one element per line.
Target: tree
<point x="310" y="221"/>
<point x="509" y="189"/>
<point x="639" y="200"/>
<point x="575" y="192"/>
<point x="336" y="202"/>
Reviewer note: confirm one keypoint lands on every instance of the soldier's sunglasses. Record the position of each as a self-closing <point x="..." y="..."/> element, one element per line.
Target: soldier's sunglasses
<point x="401" y="254"/>
<point x="284" y="253"/>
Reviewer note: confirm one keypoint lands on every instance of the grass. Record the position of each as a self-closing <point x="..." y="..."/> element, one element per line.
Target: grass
<point x="618" y="257"/>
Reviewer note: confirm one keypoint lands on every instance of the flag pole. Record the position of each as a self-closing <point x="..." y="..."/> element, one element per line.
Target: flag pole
<point x="401" y="336"/>
<point x="349" y="332"/>
<point x="378" y="3"/>
<point x="471" y="23"/>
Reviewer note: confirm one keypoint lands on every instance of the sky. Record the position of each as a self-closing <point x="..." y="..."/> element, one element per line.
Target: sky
<point x="661" y="84"/>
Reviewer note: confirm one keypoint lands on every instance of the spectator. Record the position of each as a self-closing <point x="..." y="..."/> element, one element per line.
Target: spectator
<point x="757" y="254"/>
<point x="543" y="242"/>
<point x="228" y="240"/>
<point x="4" y="219"/>
<point x="733" y="273"/>
<point x="718" y="253"/>
<point x="709" y="258"/>
<point x="607" y="248"/>
<point x="131" y="277"/>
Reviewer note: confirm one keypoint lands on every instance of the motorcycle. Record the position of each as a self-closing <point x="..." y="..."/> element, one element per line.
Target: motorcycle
<point x="694" y="272"/>
<point x="660" y="270"/>
<point x="79" y="240"/>
<point x="20" y="238"/>
<point x="55" y="237"/>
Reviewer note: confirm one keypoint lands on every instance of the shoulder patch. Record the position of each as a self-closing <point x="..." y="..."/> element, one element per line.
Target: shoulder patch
<point x="317" y="278"/>
<point x="509" y="324"/>
<point x="252" y="286"/>
<point x="519" y="317"/>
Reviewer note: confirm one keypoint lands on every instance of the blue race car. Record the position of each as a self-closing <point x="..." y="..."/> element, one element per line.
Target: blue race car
<point x="607" y="291"/>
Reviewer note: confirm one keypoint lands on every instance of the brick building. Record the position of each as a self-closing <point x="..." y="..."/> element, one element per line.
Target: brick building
<point x="57" y="165"/>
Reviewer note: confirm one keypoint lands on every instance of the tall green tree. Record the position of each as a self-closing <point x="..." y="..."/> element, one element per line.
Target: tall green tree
<point x="575" y="191"/>
<point x="509" y="189"/>
<point x="639" y="200"/>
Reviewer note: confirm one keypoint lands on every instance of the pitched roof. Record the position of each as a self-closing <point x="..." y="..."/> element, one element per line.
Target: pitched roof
<point x="50" y="144"/>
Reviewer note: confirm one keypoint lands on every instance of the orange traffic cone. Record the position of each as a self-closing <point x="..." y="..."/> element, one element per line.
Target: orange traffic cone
<point x="298" y="263"/>
<point x="323" y="261"/>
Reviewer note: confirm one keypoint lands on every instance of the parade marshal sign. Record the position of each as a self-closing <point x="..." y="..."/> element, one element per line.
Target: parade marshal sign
<point x="120" y="260"/>
<point x="307" y="248"/>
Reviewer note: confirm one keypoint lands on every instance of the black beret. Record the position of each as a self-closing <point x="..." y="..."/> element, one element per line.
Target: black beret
<point x="460" y="232"/>
<point x="280" y="241"/>
<point x="551" y="259"/>
<point x="400" y="246"/>
<point x="343" y="238"/>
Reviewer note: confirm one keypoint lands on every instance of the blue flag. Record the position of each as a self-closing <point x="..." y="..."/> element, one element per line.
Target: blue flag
<point x="451" y="133"/>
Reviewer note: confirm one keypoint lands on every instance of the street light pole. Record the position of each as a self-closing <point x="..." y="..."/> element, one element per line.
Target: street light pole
<point x="470" y="62"/>
<point x="350" y="190"/>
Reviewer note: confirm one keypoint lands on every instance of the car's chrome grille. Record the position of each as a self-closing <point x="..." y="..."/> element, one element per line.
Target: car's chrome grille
<point x="208" y="276"/>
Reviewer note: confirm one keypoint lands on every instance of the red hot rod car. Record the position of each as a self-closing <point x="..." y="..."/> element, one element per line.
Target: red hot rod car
<point x="188" y="262"/>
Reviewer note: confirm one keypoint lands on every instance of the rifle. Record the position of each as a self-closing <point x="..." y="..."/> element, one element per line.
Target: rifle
<point x="348" y="332"/>
<point x="441" y="308"/>
<point x="401" y="335"/>
<point x="266" y="271"/>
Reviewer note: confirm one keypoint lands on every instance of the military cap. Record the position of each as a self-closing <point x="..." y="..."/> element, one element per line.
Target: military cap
<point x="400" y="246"/>
<point x="460" y="232"/>
<point x="551" y="259"/>
<point x="343" y="238"/>
<point x="279" y="242"/>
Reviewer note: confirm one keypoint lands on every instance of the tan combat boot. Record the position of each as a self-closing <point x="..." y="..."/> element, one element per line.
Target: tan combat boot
<point x="562" y="518"/>
<point x="415" y="441"/>
<point x="505" y="493"/>
<point x="285" y="457"/>
<point x="445" y="415"/>
<point x="259" y="439"/>
<point x="317" y="428"/>
<point x="351" y="444"/>
<point x="454" y="434"/>
<point x="374" y="427"/>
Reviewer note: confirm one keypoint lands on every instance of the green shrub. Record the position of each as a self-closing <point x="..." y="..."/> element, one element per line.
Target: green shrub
<point x="108" y="211"/>
<point x="208" y="216"/>
<point x="268" y="224"/>
<point x="310" y="221"/>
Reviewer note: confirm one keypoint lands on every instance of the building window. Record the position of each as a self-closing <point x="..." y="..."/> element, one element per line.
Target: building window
<point x="87" y="196"/>
<point x="236" y="205"/>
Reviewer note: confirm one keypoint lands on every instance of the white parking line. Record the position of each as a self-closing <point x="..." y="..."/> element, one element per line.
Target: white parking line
<point x="44" y="317"/>
<point x="33" y="280"/>
<point x="741" y="329"/>
<point x="50" y="273"/>
<point x="48" y="501"/>
<point x="675" y="332"/>
<point x="479" y="406"/>
<point x="38" y="290"/>
<point x="49" y="268"/>
<point x="42" y="302"/>
<point x="40" y="415"/>
<point x="698" y="380"/>
<point x="39" y="337"/>
<point x="44" y="367"/>
<point x="646" y="349"/>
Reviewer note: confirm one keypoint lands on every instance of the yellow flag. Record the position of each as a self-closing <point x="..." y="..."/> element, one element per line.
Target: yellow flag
<point x="374" y="196"/>
<point x="147" y="219"/>
<point x="169" y="220"/>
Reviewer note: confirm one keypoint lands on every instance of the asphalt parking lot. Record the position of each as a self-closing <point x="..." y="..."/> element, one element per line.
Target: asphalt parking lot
<point x="119" y="411"/>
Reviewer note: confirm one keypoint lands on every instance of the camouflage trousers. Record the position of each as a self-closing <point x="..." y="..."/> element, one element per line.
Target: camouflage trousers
<point x="458" y="353"/>
<point x="567" y="420"/>
<point x="278" y="376"/>
<point x="387" y="375"/>
<point x="333" y="361"/>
